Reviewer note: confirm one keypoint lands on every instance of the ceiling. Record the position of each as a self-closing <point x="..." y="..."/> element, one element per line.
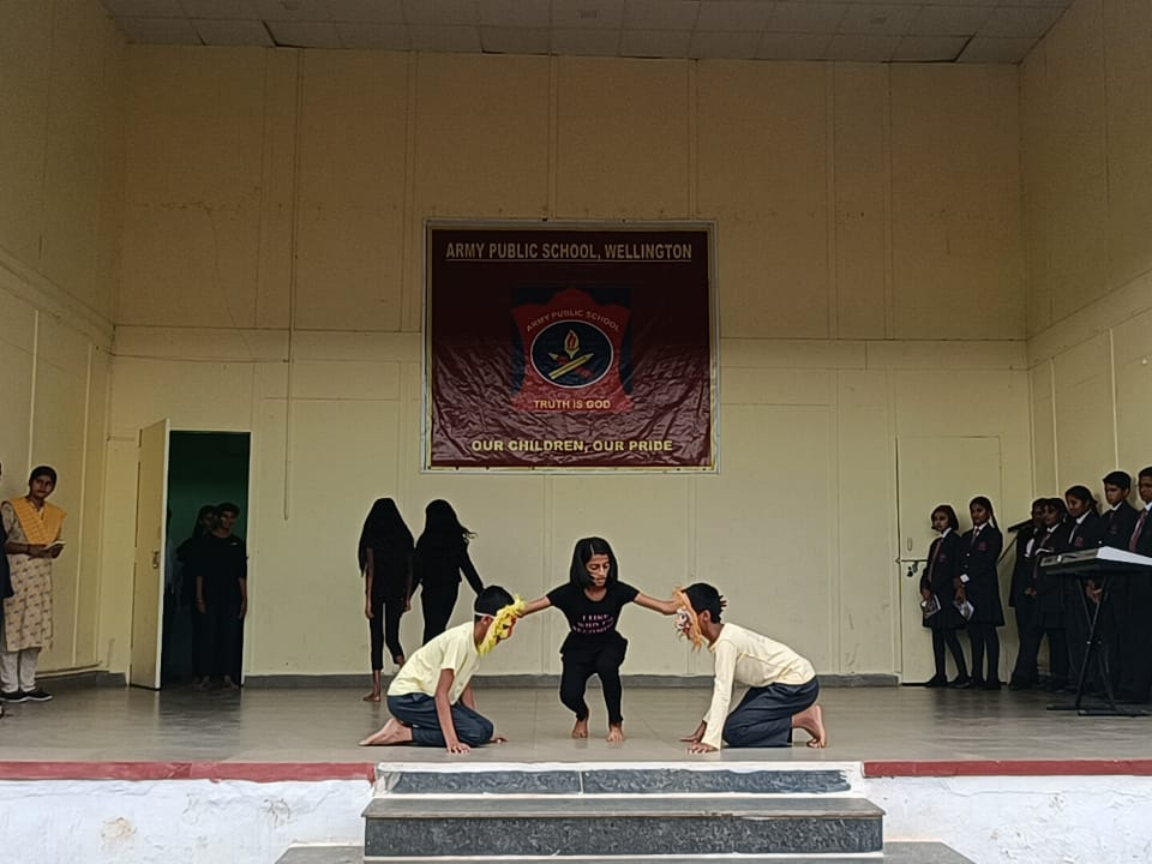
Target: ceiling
<point x="922" y="31"/>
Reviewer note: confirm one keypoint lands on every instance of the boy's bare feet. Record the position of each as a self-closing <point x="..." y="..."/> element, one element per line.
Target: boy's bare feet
<point x="811" y="720"/>
<point x="580" y="730"/>
<point x="374" y="696"/>
<point x="392" y="732"/>
<point x="615" y="734"/>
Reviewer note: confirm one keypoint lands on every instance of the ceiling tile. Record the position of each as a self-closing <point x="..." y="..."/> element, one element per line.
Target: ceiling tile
<point x="159" y="31"/>
<point x="987" y="50"/>
<point x="455" y="39"/>
<point x="655" y="43"/>
<point x="877" y="19"/>
<point x="1019" y="22"/>
<point x="1063" y="4"/>
<point x="232" y="10"/>
<point x="929" y="49"/>
<point x="733" y="15"/>
<point x="797" y="17"/>
<point x="215" y="31"/>
<point x="861" y="48"/>
<point x="514" y="40"/>
<point x="451" y="13"/>
<point x="379" y="37"/>
<point x="598" y="14"/>
<point x="726" y="46"/>
<point x="305" y="34"/>
<point x="144" y="8"/>
<point x="515" y="13"/>
<point x="949" y="20"/>
<point x="601" y="43"/>
<point x="987" y="3"/>
<point x="793" y="46"/>
<point x="372" y="11"/>
<point x="661" y="14"/>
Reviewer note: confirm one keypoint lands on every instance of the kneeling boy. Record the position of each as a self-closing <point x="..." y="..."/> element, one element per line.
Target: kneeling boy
<point x="431" y="696"/>
<point x="782" y="685"/>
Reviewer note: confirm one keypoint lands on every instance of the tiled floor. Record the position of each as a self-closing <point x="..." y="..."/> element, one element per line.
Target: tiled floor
<point x="311" y="725"/>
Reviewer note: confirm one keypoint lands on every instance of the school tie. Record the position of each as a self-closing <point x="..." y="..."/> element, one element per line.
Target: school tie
<point x="1135" y="539"/>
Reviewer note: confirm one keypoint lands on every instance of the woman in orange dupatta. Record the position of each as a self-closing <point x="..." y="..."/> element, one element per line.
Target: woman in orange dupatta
<point x="32" y="526"/>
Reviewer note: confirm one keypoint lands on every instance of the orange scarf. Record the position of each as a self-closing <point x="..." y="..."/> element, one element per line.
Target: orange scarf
<point x="41" y="527"/>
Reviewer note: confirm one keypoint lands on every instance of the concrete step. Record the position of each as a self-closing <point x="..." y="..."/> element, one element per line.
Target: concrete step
<point x="894" y="853"/>
<point x="638" y="825"/>
<point x="590" y="780"/>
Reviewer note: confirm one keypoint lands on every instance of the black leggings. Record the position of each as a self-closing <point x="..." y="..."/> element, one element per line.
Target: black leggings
<point x="580" y="664"/>
<point x="984" y="636"/>
<point x="384" y="627"/>
<point x="437" y="605"/>
<point x="940" y="638"/>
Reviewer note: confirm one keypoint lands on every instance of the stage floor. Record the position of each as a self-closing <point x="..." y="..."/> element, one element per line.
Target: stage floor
<point x="877" y="725"/>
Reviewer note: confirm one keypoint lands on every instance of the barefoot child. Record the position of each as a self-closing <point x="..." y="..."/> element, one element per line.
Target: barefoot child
<point x="431" y="696"/>
<point x="592" y="601"/>
<point x="782" y="685"/>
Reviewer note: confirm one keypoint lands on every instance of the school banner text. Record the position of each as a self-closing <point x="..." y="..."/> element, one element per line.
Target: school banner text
<point x="569" y="348"/>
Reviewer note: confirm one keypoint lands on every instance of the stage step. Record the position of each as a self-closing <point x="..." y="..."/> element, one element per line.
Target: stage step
<point x="503" y="826"/>
<point x="399" y="779"/>
<point x="894" y="853"/>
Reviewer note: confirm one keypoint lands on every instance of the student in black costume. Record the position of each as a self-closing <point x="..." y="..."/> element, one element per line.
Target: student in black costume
<point x="592" y="602"/>
<point x="385" y="557"/>
<point x="1085" y="531"/>
<point x="939" y="589"/>
<point x="441" y="555"/>
<point x="1022" y="598"/>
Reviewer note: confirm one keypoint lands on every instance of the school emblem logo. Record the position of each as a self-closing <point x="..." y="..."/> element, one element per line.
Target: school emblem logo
<point x="571" y="350"/>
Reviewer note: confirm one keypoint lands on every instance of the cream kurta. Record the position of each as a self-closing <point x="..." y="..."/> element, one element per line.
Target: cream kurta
<point x="27" y="614"/>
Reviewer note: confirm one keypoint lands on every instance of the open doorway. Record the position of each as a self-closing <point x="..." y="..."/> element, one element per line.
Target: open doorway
<point x="204" y="468"/>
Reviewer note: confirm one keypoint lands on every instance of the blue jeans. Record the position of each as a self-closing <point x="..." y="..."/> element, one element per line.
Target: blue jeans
<point x="418" y="711"/>
<point x="764" y="716"/>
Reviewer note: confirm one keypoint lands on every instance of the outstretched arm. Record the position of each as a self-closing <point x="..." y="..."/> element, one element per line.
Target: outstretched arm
<point x="664" y="607"/>
<point x="536" y="606"/>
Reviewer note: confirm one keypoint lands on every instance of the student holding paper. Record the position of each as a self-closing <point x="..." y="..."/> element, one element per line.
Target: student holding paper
<point x="32" y="526"/>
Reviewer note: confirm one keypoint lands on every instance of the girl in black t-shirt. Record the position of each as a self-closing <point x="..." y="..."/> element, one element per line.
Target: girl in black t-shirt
<point x="592" y="601"/>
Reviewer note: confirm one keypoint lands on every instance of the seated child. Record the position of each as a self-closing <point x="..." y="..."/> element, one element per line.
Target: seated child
<point x="782" y="685"/>
<point x="592" y="601"/>
<point x="430" y="698"/>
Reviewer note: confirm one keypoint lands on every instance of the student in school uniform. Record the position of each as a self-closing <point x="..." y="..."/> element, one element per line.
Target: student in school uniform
<point x="1136" y="646"/>
<point x="980" y="586"/>
<point x="1022" y="598"/>
<point x="939" y="587"/>
<point x="1118" y="522"/>
<point x="1049" y="592"/>
<point x="1085" y="531"/>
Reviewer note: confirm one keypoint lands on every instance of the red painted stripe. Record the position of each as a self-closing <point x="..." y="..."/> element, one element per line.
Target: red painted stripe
<point x="255" y="772"/>
<point x="1010" y="768"/>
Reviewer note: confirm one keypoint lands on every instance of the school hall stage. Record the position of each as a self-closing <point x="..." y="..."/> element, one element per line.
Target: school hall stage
<point x="130" y="775"/>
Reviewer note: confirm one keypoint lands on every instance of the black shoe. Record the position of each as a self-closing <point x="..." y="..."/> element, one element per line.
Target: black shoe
<point x="977" y="683"/>
<point x="994" y="684"/>
<point x="14" y="696"/>
<point x="959" y="683"/>
<point x="38" y="695"/>
<point x="936" y="681"/>
<point x="1018" y="685"/>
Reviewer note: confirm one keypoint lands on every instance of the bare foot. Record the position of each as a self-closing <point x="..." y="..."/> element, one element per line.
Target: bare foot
<point x="580" y="730"/>
<point x="811" y="720"/>
<point x="392" y="732"/>
<point x="374" y="696"/>
<point x="615" y="734"/>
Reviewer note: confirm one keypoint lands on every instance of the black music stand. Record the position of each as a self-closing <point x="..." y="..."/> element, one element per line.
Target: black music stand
<point x="1102" y="573"/>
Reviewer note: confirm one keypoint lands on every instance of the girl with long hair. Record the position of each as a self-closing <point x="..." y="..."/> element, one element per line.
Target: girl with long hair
<point x="385" y="557"/>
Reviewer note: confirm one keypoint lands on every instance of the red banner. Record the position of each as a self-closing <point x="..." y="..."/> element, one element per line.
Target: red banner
<point x="560" y="347"/>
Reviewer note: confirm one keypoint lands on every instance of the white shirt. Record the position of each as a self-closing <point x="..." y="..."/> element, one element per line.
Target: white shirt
<point x="745" y="657"/>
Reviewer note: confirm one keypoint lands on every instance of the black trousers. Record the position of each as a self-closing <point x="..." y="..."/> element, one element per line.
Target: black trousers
<point x="764" y="716"/>
<point x="437" y="603"/>
<point x="219" y="648"/>
<point x="942" y="637"/>
<point x="984" y="638"/>
<point x="1025" y="672"/>
<point x="581" y="662"/>
<point x="384" y="628"/>
<point x="1135" y="640"/>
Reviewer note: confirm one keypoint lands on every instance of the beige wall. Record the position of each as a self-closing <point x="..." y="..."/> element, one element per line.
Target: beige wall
<point x="272" y="283"/>
<point x="1087" y="123"/>
<point x="61" y="201"/>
